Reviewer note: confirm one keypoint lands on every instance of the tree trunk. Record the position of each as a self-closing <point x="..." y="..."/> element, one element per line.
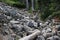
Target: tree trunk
<point x="32" y="5"/>
<point x="27" y="4"/>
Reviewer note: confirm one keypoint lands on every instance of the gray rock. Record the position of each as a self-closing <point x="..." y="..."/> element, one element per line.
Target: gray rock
<point x="40" y="38"/>
<point x="9" y="17"/>
<point x="53" y="38"/>
<point x="30" y="24"/>
<point x="8" y="37"/>
<point x="3" y="19"/>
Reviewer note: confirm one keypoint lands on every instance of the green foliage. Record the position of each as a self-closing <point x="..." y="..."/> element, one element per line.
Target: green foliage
<point x="19" y="5"/>
<point x="49" y="8"/>
<point x="15" y="3"/>
<point x="30" y="10"/>
<point x="56" y="14"/>
<point x="45" y="15"/>
<point x="36" y="5"/>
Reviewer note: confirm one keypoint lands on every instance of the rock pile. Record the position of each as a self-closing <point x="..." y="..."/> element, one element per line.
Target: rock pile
<point x="17" y="24"/>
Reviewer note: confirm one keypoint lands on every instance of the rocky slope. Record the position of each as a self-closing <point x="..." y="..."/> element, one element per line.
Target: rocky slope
<point x="16" y="24"/>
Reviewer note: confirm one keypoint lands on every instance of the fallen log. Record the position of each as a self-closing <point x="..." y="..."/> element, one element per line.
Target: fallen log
<point x="31" y="36"/>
